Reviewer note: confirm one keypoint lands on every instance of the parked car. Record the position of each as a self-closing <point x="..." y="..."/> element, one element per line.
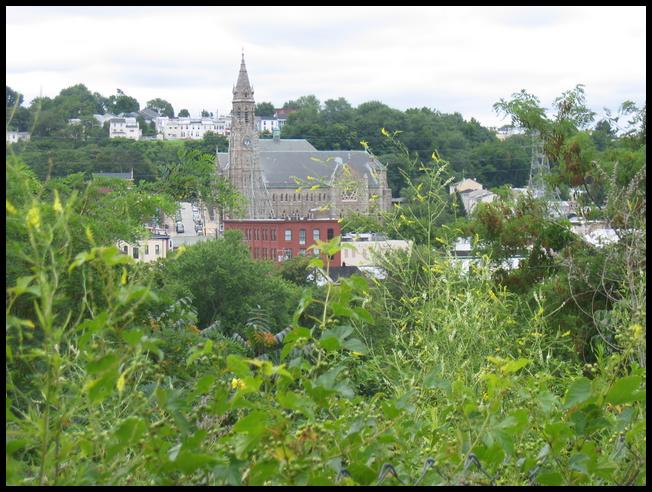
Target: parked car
<point x="180" y="228"/>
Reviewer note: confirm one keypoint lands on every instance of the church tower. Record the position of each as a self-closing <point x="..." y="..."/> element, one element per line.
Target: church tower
<point x="244" y="170"/>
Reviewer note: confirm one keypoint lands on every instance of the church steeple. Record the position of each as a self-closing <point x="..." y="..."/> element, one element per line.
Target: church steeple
<point x="244" y="106"/>
<point x="243" y="89"/>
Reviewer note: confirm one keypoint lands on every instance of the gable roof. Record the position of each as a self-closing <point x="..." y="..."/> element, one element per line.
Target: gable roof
<point x="284" y="145"/>
<point x="279" y="167"/>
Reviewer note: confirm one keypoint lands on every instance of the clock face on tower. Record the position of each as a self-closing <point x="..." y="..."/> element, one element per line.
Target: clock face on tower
<point x="246" y="141"/>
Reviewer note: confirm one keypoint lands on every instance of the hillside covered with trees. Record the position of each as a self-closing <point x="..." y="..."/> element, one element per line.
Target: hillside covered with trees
<point x="473" y="151"/>
<point x="210" y="368"/>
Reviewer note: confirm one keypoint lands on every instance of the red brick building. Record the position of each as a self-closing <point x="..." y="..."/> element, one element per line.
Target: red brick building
<point x="280" y="240"/>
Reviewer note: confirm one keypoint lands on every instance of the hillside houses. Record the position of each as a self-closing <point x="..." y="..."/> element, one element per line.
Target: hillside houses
<point x="471" y="193"/>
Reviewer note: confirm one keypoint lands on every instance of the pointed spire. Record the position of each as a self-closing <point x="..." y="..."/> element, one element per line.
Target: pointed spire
<point x="243" y="88"/>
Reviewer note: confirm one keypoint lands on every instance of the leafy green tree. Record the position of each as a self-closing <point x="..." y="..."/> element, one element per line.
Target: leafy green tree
<point x="309" y="102"/>
<point x="163" y="107"/>
<point x="148" y="129"/>
<point x="209" y="144"/>
<point x="265" y="109"/>
<point x="184" y="113"/>
<point x="204" y="113"/>
<point x="296" y="270"/>
<point x="13" y="98"/>
<point x="192" y="177"/>
<point x="78" y="101"/>
<point x="231" y="286"/>
<point x="121" y="103"/>
<point x="17" y="117"/>
<point x="356" y="222"/>
<point x="48" y="123"/>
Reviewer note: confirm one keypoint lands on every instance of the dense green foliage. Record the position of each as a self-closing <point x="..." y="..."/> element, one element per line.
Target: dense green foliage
<point x="232" y="286"/>
<point x="472" y="150"/>
<point x="59" y="157"/>
<point x="210" y="368"/>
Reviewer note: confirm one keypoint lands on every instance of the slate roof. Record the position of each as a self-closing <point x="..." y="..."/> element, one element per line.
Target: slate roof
<point x="284" y="145"/>
<point x="279" y="166"/>
<point x="149" y="113"/>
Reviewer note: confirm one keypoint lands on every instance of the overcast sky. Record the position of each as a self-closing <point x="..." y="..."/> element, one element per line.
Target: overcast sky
<point x="453" y="59"/>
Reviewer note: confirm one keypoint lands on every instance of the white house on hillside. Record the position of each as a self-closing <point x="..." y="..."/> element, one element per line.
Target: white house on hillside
<point x="124" y="128"/>
<point x="269" y="124"/>
<point x="467" y="184"/>
<point x="13" y="137"/>
<point x="185" y="128"/>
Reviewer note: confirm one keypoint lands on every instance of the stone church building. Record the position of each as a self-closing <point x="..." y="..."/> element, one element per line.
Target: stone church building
<point x="289" y="178"/>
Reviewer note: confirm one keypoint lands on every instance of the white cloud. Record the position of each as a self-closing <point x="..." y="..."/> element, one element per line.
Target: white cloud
<point x="448" y="58"/>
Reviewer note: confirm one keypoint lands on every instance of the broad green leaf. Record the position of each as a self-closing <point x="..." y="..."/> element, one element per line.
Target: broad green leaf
<point x="99" y="389"/>
<point x="238" y="365"/>
<point x="547" y="401"/>
<point x="578" y="392"/>
<point x="254" y="423"/>
<point x="330" y="344"/>
<point x="111" y="360"/>
<point x="204" y="384"/>
<point x="624" y="390"/>
<point x="263" y="472"/>
<point x="295" y="401"/>
<point x="550" y="478"/>
<point x="355" y="345"/>
<point x="131" y="430"/>
<point x="515" y="365"/>
<point x="515" y="423"/>
<point x="132" y="337"/>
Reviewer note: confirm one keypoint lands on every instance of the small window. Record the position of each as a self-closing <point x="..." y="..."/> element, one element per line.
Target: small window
<point x="157" y="250"/>
<point x="330" y="233"/>
<point x="288" y="234"/>
<point x="125" y="250"/>
<point x="273" y="234"/>
<point x="302" y="236"/>
<point x="315" y="234"/>
<point x="147" y="249"/>
<point x="136" y="253"/>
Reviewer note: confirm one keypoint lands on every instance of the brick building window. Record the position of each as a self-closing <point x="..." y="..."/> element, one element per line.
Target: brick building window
<point x="302" y="236"/>
<point x="288" y="234"/>
<point x="315" y="234"/>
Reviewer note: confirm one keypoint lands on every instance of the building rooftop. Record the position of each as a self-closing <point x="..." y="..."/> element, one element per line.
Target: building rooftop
<point x="279" y="167"/>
